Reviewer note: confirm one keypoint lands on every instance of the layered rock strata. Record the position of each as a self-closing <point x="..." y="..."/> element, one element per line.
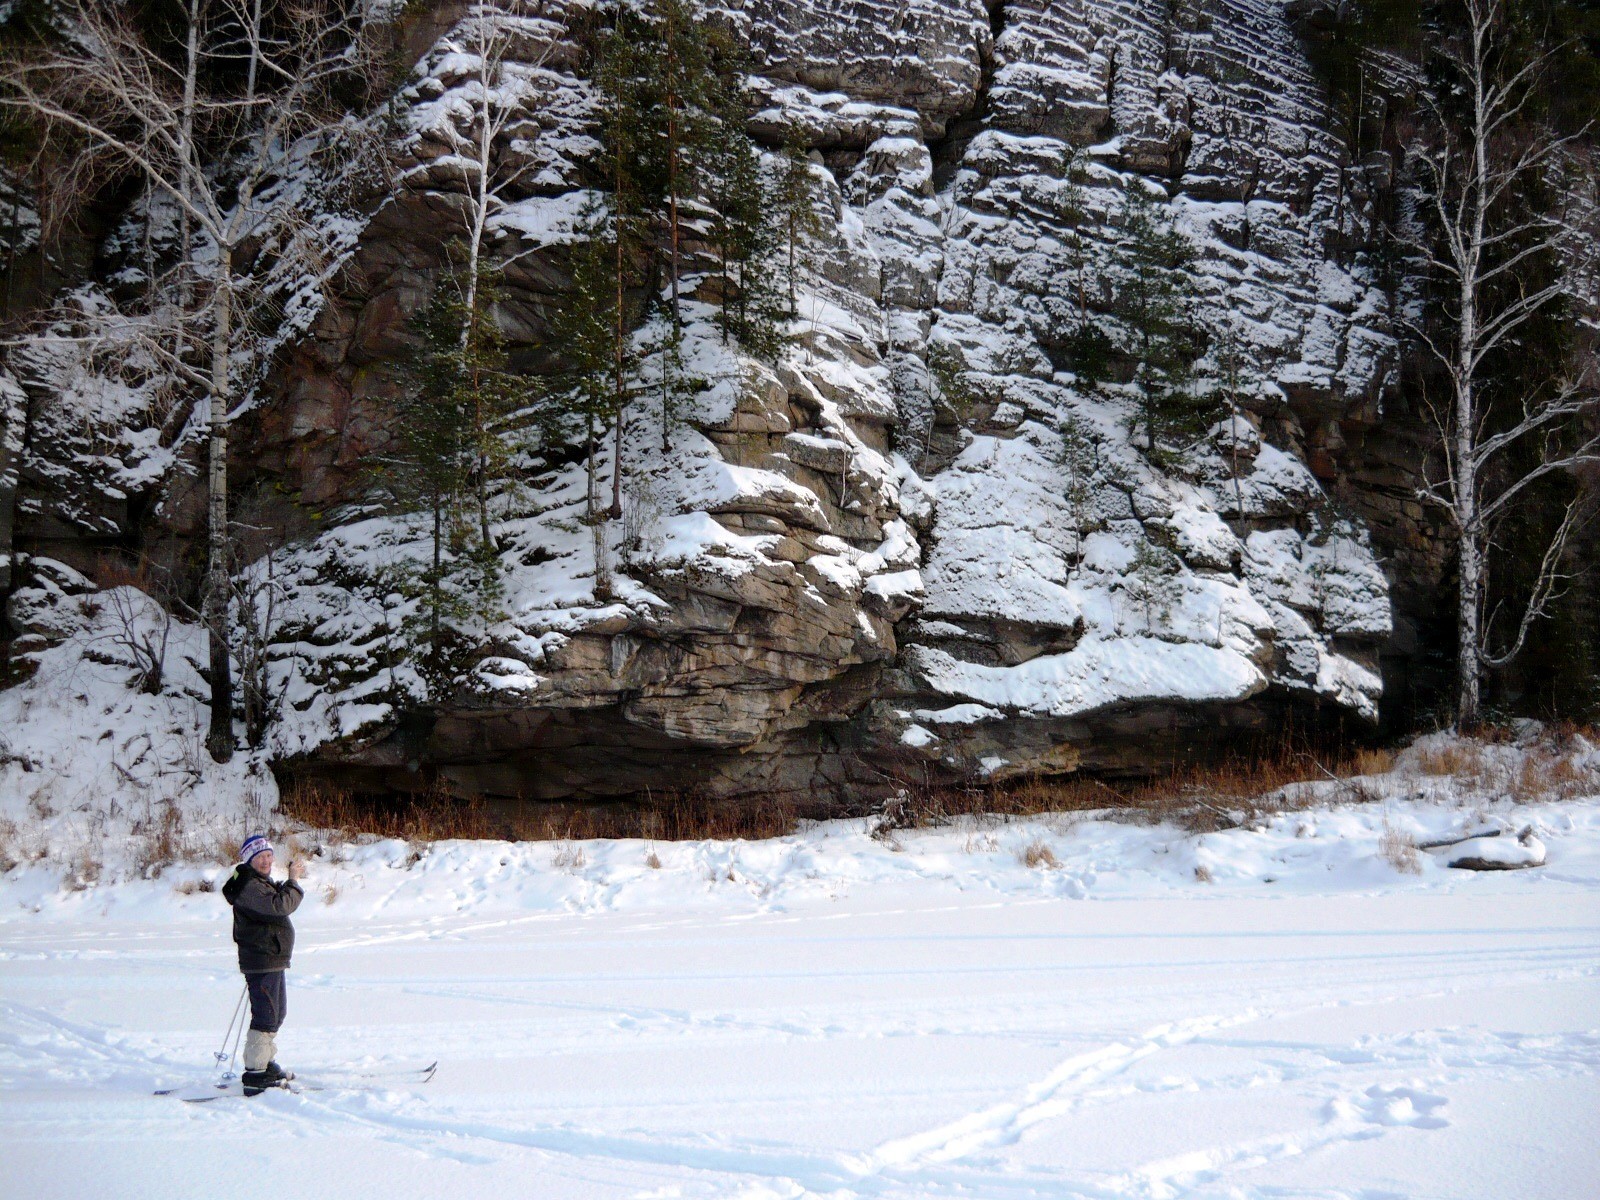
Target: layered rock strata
<point x="842" y="573"/>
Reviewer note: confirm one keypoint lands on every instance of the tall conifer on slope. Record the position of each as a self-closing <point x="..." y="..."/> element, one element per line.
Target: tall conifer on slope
<point x="745" y="234"/>
<point x="585" y="328"/>
<point x="626" y="114"/>
<point x="684" y="58"/>
<point x="795" y="203"/>
<point x="498" y="93"/>
<point x="491" y="393"/>
<point x="435" y="463"/>
<point x="680" y="69"/>
<point x="671" y="112"/>
<point x="1154" y="299"/>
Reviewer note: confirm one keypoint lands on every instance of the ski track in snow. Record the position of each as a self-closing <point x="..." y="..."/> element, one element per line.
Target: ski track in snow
<point x="1053" y="1096"/>
<point x="957" y="975"/>
<point x="827" y="1018"/>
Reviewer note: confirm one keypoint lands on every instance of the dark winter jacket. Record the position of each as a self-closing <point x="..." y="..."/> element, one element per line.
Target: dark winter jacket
<point x="261" y="911"/>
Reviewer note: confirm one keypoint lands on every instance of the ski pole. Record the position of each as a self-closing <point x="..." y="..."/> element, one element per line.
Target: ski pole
<point x="234" y="1058"/>
<point x="222" y="1052"/>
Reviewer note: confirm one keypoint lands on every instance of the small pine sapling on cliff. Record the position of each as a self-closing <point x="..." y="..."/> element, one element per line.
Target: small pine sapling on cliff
<point x="951" y="387"/>
<point x="1079" y="460"/>
<point x="1153" y="585"/>
<point x="1227" y="352"/>
<point x="1155" y="301"/>
<point x="796" y="206"/>
<point x="745" y="235"/>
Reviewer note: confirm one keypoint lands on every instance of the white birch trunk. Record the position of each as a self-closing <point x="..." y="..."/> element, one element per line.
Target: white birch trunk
<point x="219" y="740"/>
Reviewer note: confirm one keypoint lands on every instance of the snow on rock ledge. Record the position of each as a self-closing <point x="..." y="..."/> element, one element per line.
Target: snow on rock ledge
<point x="831" y="552"/>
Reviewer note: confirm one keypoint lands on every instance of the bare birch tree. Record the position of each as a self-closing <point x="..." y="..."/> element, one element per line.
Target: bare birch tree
<point x="1482" y="153"/>
<point x="208" y="124"/>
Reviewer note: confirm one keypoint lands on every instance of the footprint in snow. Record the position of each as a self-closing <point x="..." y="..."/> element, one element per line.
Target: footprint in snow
<point x="1392" y="1106"/>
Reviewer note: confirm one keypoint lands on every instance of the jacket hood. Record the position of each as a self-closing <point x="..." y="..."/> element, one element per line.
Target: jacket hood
<point x="235" y="884"/>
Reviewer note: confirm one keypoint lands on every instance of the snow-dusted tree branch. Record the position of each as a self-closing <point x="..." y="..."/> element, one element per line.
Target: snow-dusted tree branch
<point x="1499" y="262"/>
<point x="219" y="124"/>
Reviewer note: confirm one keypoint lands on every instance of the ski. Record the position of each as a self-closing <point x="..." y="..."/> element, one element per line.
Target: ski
<point x="366" y="1074"/>
<point x="376" y="1080"/>
<point x="234" y="1090"/>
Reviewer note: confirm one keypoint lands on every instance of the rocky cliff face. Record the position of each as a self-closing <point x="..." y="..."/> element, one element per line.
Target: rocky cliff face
<point x="842" y="571"/>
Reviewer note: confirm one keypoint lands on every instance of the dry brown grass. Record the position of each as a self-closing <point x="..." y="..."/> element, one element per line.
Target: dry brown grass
<point x="1376" y="761"/>
<point x="569" y="858"/>
<point x="10" y="845"/>
<point x="191" y="887"/>
<point x="1202" y="874"/>
<point x="437" y="816"/>
<point x="158" y="840"/>
<point x="1460" y="760"/>
<point x="1038" y="854"/>
<point x="85" y="869"/>
<point x="424" y="818"/>
<point x="1238" y="791"/>
<point x="1552" y="771"/>
<point x="653" y="861"/>
<point x="220" y="843"/>
<point x="1399" y="850"/>
<point x="694" y="816"/>
<point x="1548" y="768"/>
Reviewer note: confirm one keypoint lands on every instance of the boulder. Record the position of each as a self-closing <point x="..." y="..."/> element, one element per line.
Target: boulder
<point x="1498" y="853"/>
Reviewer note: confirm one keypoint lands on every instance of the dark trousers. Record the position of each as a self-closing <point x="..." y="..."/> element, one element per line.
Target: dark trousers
<point x="269" y="1000"/>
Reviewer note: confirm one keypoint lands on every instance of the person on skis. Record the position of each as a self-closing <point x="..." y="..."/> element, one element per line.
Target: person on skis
<point x="265" y="937"/>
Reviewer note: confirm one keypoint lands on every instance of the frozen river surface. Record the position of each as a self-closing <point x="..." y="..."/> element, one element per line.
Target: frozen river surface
<point x="905" y="1036"/>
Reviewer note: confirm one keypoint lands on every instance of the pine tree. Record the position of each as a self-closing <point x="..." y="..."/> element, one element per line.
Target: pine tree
<point x="1088" y="348"/>
<point x="435" y="463"/>
<point x="1079" y="460"/>
<point x="671" y="129"/>
<point x="1228" y="354"/>
<point x="796" y="207"/>
<point x="746" y="238"/>
<point x="1155" y="300"/>
<point x="672" y="386"/>
<point x="627" y="139"/>
<point x="679" y="63"/>
<point x="682" y="67"/>
<point x="492" y="394"/>
<point x="586" y="330"/>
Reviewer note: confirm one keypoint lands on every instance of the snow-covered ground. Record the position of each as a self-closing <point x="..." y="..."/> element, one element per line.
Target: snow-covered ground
<point x="1332" y="1013"/>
